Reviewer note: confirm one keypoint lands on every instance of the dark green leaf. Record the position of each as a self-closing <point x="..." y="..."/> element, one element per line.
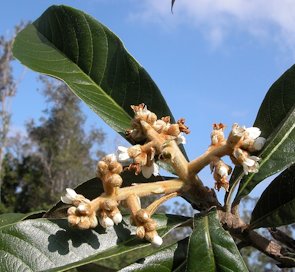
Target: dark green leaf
<point x="70" y="45"/>
<point x="211" y="248"/>
<point x="43" y="244"/>
<point x="168" y="258"/>
<point x="93" y="188"/>
<point x="276" y="206"/>
<point x="165" y="260"/>
<point x="276" y="119"/>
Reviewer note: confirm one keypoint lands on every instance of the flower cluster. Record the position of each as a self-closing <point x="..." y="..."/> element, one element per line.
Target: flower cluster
<point x="141" y="158"/>
<point x="249" y="142"/>
<point x="161" y="126"/>
<point x="242" y="141"/>
<point x="81" y="214"/>
<point x="157" y="139"/>
<point x="146" y="227"/>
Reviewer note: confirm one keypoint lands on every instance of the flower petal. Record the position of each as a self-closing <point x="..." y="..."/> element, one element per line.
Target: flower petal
<point x="180" y="139"/>
<point x="147" y="171"/>
<point x="69" y="197"/>
<point x="156" y="169"/>
<point x="222" y="171"/>
<point x="254" y="132"/>
<point x="259" y="143"/>
<point x="157" y="241"/>
<point x="117" y="218"/>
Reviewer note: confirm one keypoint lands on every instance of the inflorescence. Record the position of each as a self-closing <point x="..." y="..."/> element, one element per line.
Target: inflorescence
<point x="161" y="140"/>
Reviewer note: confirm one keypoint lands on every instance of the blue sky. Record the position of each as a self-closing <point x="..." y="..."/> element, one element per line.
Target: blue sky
<point x="213" y="60"/>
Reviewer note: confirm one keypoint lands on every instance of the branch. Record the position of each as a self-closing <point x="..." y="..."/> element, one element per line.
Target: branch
<point x="240" y="230"/>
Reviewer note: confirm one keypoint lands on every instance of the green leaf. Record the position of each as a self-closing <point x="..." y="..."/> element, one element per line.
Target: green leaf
<point x="211" y="248"/>
<point x="165" y="260"/>
<point x="7" y="219"/>
<point x="276" y="119"/>
<point x="93" y="188"/>
<point x="276" y="206"/>
<point x="70" y="45"/>
<point x="51" y="245"/>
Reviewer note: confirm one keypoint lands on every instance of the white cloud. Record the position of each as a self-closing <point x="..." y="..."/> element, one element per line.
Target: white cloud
<point x="263" y="19"/>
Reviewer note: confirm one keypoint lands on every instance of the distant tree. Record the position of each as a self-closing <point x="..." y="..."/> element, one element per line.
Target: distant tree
<point x="65" y="150"/>
<point x="57" y="153"/>
<point x="7" y="91"/>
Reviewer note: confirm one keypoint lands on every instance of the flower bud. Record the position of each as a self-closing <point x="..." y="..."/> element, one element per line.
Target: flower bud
<point x="150" y="225"/>
<point x="84" y="209"/>
<point x="73" y="220"/>
<point x="93" y="221"/>
<point x="102" y="169"/>
<point x="115" y="180"/>
<point x="140" y="232"/>
<point x="109" y="204"/>
<point x="84" y="222"/>
<point x="142" y="216"/>
<point x="72" y="211"/>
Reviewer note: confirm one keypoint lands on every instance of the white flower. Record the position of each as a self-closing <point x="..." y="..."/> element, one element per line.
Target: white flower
<point x="222" y="171"/>
<point x="259" y="143"/>
<point x="106" y="222"/>
<point x="253" y="132"/>
<point x="250" y="165"/>
<point x="180" y="139"/>
<point x="122" y="154"/>
<point x="148" y="171"/>
<point x="117" y="218"/>
<point x="157" y="241"/>
<point x="69" y="197"/>
<point x="111" y="157"/>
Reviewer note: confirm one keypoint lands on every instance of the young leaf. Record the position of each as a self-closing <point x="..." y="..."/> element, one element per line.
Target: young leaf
<point x="276" y="206"/>
<point x="51" y="245"/>
<point x="70" y="45"/>
<point x="211" y="248"/>
<point x="276" y="119"/>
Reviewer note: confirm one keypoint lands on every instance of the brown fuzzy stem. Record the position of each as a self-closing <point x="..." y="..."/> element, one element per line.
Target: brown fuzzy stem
<point x="199" y="163"/>
<point x="140" y="190"/>
<point x="155" y="205"/>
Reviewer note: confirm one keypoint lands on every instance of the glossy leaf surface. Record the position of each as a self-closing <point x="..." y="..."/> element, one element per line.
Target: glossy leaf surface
<point x="51" y="245"/>
<point x="276" y="206"/>
<point x="211" y="248"/>
<point x="165" y="259"/>
<point x="276" y="119"/>
<point x="70" y="45"/>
